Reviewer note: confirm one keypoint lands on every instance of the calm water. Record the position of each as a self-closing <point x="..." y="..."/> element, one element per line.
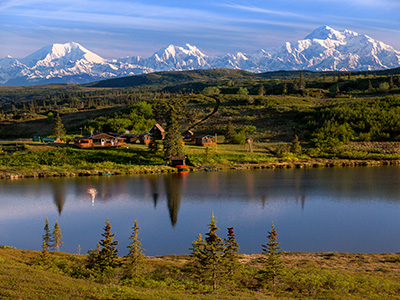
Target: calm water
<point x="343" y="209"/>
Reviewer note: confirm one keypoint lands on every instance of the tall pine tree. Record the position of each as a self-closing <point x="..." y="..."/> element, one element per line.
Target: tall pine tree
<point x="56" y="238"/>
<point x="208" y="256"/>
<point x="46" y="240"/>
<point x="272" y="263"/>
<point x="135" y="257"/>
<point x="107" y="256"/>
<point x="173" y="138"/>
<point x="230" y="253"/>
<point x="58" y="128"/>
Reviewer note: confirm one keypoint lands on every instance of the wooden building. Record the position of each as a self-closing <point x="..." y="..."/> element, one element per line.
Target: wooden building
<point x="145" y="138"/>
<point x="206" y="140"/>
<point x="157" y="132"/>
<point x="129" y="137"/>
<point x="99" y="140"/>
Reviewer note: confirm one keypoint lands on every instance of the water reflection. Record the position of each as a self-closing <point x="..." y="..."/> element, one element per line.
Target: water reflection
<point x="353" y="200"/>
<point x="59" y="196"/>
<point x="173" y="187"/>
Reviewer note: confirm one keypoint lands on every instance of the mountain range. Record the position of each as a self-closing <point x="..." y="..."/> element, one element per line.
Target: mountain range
<point x="325" y="49"/>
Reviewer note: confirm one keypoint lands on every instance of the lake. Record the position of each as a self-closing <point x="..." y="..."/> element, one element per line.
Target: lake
<point x="314" y="210"/>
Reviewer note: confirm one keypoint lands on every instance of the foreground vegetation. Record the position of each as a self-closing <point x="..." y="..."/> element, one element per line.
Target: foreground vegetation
<point x="306" y="276"/>
<point x="213" y="270"/>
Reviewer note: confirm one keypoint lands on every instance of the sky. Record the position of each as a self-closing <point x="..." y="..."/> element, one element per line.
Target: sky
<point x="119" y="28"/>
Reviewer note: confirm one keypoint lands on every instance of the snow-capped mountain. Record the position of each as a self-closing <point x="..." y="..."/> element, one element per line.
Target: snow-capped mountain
<point x="325" y="49"/>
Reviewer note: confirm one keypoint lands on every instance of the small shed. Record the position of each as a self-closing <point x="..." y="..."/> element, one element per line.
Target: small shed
<point x="206" y="140"/>
<point x="145" y="138"/>
<point x="99" y="140"/>
<point x="157" y="132"/>
<point x="177" y="161"/>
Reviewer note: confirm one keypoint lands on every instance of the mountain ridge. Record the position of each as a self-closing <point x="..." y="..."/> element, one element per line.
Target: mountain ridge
<point x="324" y="49"/>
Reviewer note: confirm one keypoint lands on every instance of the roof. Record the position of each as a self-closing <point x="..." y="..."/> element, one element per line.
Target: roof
<point x="97" y="135"/>
<point x="159" y="127"/>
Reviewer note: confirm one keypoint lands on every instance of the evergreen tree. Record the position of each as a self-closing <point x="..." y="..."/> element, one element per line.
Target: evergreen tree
<point x="230" y="253"/>
<point x="391" y="84"/>
<point x="302" y="84"/>
<point x="295" y="146"/>
<point x="173" y="138"/>
<point x="107" y="256"/>
<point x="56" y="238"/>
<point x="46" y="240"/>
<point x="92" y="258"/>
<point x="261" y="90"/>
<point x="370" y="87"/>
<point x="58" y="128"/>
<point x="208" y="255"/>
<point x="153" y="146"/>
<point x="272" y="264"/>
<point x="197" y="263"/>
<point x="134" y="259"/>
<point x="284" y="88"/>
<point x="229" y="132"/>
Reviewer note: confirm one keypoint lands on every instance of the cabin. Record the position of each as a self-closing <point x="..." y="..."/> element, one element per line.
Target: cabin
<point x="99" y="140"/>
<point x="206" y="140"/>
<point x="129" y="137"/>
<point x="157" y="132"/>
<point x="145" y="138"/>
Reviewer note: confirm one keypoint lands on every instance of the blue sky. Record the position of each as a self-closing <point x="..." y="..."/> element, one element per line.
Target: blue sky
<point x="117" y="28"/>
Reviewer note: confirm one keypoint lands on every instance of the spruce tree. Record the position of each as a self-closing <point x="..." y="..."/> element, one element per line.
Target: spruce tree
<point x="272" y="263"/>
<point x="230" y="253"/>
<point x="391" y="84"/>
<point x="284" y="88"/>
<point x="208" y="255"/>
<point x="107" y="257"/>
<point x="173" y="138"/>
<point x="58" y="128"/>
<point x="197" y="263"/>
<point x="229" y="132"/>
<point x="370" y="87"/>
<point x="135" y="257"/>
<point x="302" y="84"/>
<point x="92" y="258"/>
<point x="261" y="90"/>
<point x="46" y="240"/>
<point x="295" y="146"/>
<point x="56" y="238"/>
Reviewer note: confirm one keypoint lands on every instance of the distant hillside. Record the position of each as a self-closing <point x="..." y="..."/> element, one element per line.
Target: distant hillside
<point x="164" y="79"/>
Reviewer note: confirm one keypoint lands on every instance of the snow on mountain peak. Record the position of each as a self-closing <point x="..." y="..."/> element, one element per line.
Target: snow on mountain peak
<point x="324" y="49"/>
<point x="326" y="32"/>
<point x="59" y="54"/>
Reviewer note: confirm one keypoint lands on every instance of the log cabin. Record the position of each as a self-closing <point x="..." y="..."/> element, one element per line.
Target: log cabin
<point x="99" y="140"/>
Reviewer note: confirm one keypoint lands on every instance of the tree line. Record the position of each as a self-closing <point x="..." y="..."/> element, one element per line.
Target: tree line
<point x="213" y="261"/>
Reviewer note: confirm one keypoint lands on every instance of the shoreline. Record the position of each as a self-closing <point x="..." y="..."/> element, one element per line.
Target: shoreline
<point x="312" y="164"/>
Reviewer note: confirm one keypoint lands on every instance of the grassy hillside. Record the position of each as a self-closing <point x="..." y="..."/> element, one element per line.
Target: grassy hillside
<point x="24" y="275"/>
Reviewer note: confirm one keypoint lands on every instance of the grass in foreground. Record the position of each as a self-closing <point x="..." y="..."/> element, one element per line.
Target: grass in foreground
<point x="307" y="276"/>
